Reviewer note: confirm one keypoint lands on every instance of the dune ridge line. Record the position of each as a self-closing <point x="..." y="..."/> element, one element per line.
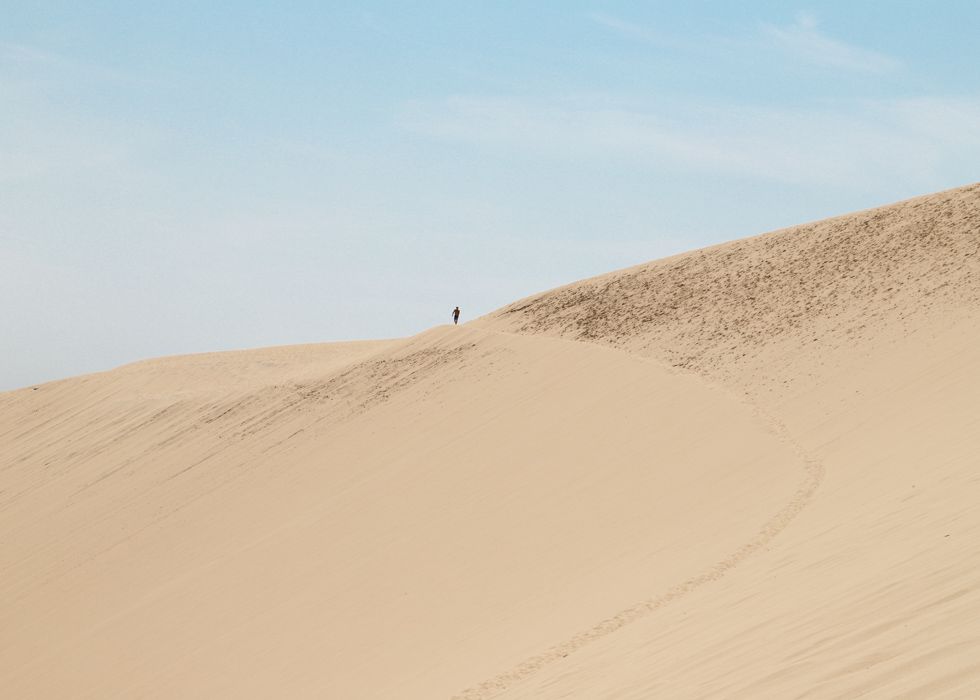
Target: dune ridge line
<point x="538" y="504"/>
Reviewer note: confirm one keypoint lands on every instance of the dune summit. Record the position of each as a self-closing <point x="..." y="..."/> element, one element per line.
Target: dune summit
<point x="745" y="471"/>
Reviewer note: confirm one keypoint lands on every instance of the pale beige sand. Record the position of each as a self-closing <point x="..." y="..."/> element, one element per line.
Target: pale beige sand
<point x="749" y="471"/>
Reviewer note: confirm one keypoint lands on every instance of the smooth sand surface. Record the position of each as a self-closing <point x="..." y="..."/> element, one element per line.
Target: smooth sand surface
<point x="748" y="471"/>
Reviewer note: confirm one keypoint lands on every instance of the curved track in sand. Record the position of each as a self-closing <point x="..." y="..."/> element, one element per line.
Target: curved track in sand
<point x="472" y="490"/>
<point x="814" y="473"/>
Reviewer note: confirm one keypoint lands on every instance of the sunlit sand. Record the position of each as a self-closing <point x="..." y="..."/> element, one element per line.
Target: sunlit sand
<point x="745" y="471"/>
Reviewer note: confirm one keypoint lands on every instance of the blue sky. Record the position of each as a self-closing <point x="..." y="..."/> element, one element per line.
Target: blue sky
<point x="187" y="177"/>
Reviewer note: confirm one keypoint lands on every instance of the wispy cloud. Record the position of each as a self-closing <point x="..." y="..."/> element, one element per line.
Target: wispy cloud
<point x="802" y="40"/>
<point x="630" y="29"/>
<point x="805" y="41"/>
<point x="647" y="35"/>
<point x="50" y="123"/>
<point x="21" y="63"/>
<point x="851" y="144"/>
<point x="34" y="144"/>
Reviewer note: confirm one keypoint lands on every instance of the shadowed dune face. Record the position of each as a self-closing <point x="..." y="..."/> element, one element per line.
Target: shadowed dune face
<point x="748" y="471"/>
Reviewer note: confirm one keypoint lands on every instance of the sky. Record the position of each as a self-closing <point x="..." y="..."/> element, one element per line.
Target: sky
<point x="191" y="177"/>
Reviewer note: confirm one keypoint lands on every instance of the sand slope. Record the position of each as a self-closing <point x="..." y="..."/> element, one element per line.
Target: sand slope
<point x="860" y="335"/>
<point x="395" y="527"/>
<point x="748" y="471"/>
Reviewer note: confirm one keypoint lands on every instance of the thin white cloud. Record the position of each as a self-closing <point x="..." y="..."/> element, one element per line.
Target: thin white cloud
<point x="42" y="133"/>
<point x="33" y="146"/>
<point x="646" y="35"/>
<point x="803" y="40"/>
<point x="634" y="31"/>
<point x="851" y="144"/>
<point x="21" y="64"/>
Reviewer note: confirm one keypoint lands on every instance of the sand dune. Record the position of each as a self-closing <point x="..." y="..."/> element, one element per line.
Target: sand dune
<point x="748" y="471"/>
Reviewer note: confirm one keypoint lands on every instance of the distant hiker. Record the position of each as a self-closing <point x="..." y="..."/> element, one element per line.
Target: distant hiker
<point x="456" y="315"/>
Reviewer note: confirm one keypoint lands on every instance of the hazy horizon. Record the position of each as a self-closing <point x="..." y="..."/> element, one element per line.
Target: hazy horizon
<point x="186" y="179"/>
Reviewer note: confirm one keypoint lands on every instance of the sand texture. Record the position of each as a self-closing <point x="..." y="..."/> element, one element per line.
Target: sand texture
<point x="748" y="471"/>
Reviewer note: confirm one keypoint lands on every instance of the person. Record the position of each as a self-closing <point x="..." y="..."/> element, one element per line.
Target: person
<point x="456" y="315"/>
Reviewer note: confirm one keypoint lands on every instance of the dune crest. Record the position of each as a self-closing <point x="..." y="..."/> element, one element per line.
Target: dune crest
<point x="741" y="312"/>
<point x="860" y="335"/>
<point x="746" y="471"/>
